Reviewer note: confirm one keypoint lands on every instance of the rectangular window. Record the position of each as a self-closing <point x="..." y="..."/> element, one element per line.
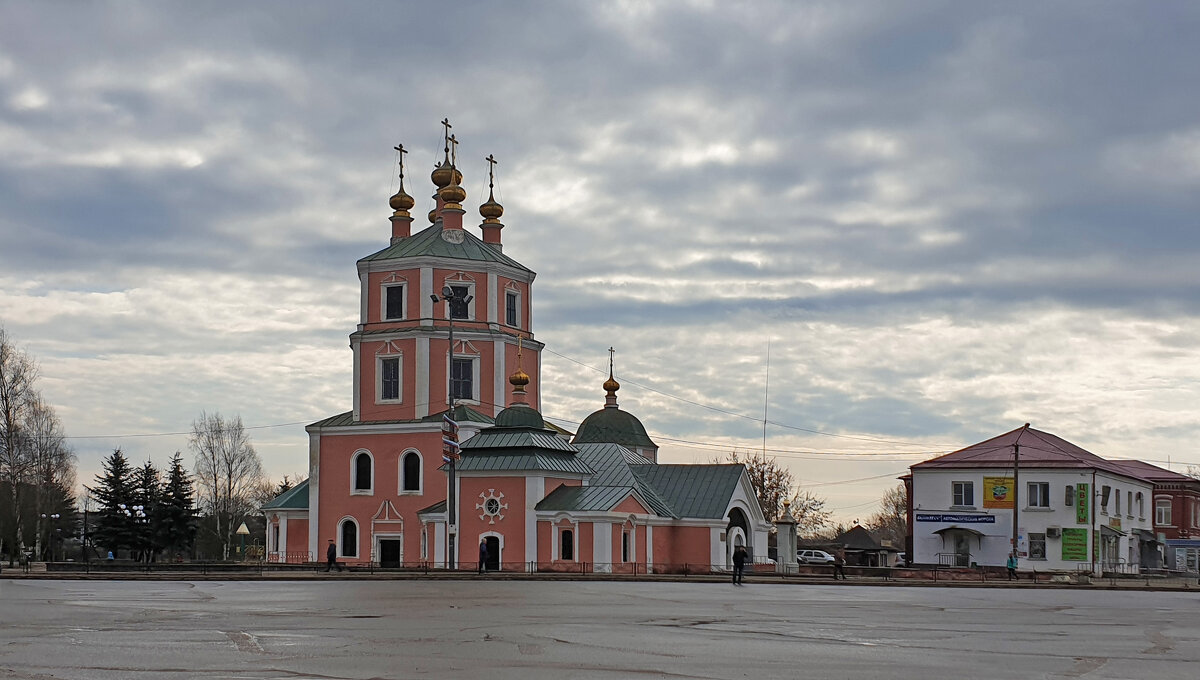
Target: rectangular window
<point x="393" y="302"/>
<point x="1039" y="495"/>
<point x="1129" y="503"/>
<point x="462" y="374"/>
<point x="1069" y="499"/>
<point x="510" y="308"/>
<point x="1105" y="492"/>
<point x="389" y="378"/>
<point x="1037" y="546"/>
<point x="964" y="493"/>
<point x="1117" y="501"/>
<point x="1162" y="512"/>
<point x="460" y="306"/>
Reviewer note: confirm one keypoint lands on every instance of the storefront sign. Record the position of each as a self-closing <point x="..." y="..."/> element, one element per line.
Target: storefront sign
<point x="1083" y="506"/>
<point x="998" y="492"/>
<point x="1074" y="545"/>
<point x="959" y="519"/>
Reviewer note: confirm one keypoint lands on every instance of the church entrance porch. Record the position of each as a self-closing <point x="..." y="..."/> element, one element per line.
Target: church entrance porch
<point x="389" y="552"/>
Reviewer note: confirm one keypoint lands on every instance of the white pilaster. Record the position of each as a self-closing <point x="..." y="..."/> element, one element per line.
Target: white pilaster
<point x="602" y="548"/>
<point x="426" y="291"/>
<point x="499" y="376"/>
<point x="493" y="298"/>
<point x="535" y="490"/>
<point x="314" y="496"/>
<point x="421" y="389"/>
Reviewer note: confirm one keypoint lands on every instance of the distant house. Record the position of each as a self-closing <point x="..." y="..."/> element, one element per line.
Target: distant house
<point x="864" y="551"/>
<point x="1176" y="513"/>
<point x="1072" y="508"/>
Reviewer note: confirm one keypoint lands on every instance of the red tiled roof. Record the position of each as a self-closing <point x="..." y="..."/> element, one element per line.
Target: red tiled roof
<point x="1153" y="472"/>
<point x="1038" y="450"/>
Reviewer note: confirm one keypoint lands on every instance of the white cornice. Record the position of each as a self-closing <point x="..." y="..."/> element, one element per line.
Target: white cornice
<point x="418" y="261"/>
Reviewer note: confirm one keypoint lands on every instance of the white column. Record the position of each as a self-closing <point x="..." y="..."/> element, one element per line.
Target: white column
<point x="314" y="496"/>
<point x="421" y="385"/>
<point x="426" y="291"/>
<point x="535" y="490"/>
<point x="499" y="376"/>
<point x="649" y="548"/>
<point x="493" y="297"/>
<point x="356" y="350"/>
<point x="602" y="546"/>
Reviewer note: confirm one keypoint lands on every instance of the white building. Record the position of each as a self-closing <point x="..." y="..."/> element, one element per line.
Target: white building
<point x="1069" y="502"/>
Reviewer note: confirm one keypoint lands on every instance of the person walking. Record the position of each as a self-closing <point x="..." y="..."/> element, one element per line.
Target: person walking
<point x="839" y="565"/>
<point x="483" y="555"/>
<point x="1012" y="566"/>
<point x="739" y="565"/>
<point x="331" y="557"/>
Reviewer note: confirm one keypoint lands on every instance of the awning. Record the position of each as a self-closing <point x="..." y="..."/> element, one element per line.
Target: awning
<point x="1109" y="531"/>
<point x="1145" y="536"/>
<point x="955" y="527"/>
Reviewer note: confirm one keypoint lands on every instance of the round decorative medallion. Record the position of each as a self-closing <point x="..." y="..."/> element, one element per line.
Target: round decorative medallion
<point x="492" y="506"/>
<point x="454" y="235"/>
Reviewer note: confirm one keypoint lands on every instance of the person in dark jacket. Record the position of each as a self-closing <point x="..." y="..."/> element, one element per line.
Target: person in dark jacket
<point x="839" y="565"/>
<point x="331" y="557"/>
<point x="739" y="565"/>
<point x="483" y="555"/>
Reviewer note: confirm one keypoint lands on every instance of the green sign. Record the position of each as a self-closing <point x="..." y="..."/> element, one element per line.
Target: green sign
<point x="1083" y="496"/>
<point x="1074" y="545"/>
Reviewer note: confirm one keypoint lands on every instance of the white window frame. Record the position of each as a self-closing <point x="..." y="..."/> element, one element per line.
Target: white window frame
<point x="1037" y="495"/>
<point x="1141" y="504"/>
<point x="354" y="473"/>
<point x="341" y="536"/>
<point x="1163" y="511"/>
<point x="515" y="291"/>
<point x="1129" y="504"/>
<point x="955" y="492"/>
<point x="461" y="280"/>
<point x="1038" y="538"/>
<point x="420" y="474"/>
<point x="379" y="359"/>
<point x="1117" y="502"/>
<point x="574" y="544"/>
<point x="383" y="300"/>
<point x="475" y="386"/>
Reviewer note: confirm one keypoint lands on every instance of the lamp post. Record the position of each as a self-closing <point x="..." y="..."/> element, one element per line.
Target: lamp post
<point x="49" y="533"/>
<point x="242" y="533"/>
<point x="450" y="296"/>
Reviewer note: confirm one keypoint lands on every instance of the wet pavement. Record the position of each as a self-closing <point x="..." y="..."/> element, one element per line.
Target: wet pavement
<point x="167" y="630"/>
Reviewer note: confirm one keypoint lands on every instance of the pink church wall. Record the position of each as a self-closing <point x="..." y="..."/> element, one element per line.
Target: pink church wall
<point x="679" y="545"/>
<point x="631" y="506"/>
<point x="368" y="380"/>
<point x="511" y="527"/>
<point x="336" y="500"/>
<point x="297" y="540"/>
<point x="545" y="532"/>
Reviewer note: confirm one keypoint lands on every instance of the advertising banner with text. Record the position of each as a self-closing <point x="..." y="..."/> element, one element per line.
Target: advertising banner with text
<point x="1083" y="507"/>
<point x="998" y="492"/>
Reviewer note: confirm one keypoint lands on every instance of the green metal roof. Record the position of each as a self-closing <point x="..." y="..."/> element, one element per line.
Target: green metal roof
<point x="436" y="508"/>
<point x="584" y="498"/>
<point x="701" y="491"/>
<point x="520" y="415"/>
<point x="429" y="242"/>
<point x="522" y="459"/>
<point x="612" y="465"/>
<point x="295" y="498"/>
<point x="517" y="438"/>
<point x="462" y="414"/>
<point x="612" y="425"/>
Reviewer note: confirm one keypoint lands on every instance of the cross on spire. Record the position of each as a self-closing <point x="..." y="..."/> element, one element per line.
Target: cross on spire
<point x="401" y="150"/>
<point x="611" y="351"/>
<point x="453" y="152"/>
<point x="491" y="166"/>
<point x="446" y="134"/>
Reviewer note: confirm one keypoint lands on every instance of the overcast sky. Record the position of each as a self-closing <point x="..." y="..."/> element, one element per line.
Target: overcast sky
<point x="946" y="218"/>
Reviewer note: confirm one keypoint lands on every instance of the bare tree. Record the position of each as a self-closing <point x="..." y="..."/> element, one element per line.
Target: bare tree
<point x="228" y="471"/>
<point x="51" y="467"/>
<point x="772" y="483"/>
<point x="810" y="514"/>
<point x="17" y="394"/>
<point x="891" y="522"/>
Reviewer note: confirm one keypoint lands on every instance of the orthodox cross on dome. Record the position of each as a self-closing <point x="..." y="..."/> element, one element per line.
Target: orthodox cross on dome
<point x="401" y="150"/>
<point x="491" y="159"/>
<point x="611" y="385"/>
<point x="611" y="352"/>
<point x="453" y="151"/>
<point x="446" y="134"/>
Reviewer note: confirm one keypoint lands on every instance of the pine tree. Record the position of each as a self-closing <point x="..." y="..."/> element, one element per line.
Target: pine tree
<point x="147" y="512"/>
<point x="115" y="527"/>
<point x="177" y="509"/>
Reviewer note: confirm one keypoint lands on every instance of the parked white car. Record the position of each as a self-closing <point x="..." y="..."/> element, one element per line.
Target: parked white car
<point x="814" y="557"/>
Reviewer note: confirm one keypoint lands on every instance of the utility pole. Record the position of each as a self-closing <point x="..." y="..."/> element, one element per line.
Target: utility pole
<point x="1016" y="489"/>
<point x="450" y="439"/>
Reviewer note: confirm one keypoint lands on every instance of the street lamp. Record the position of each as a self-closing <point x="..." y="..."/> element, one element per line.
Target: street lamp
<point x="53" y="520"/>
<point x="242" y="532"/>
<point x="451" y="297"/>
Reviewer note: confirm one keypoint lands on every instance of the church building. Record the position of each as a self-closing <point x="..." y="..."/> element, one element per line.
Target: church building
<point x="444" y="447"/>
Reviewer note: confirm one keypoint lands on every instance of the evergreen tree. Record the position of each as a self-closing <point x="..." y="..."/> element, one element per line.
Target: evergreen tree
<point x="177" y="509"/>
<point x="115" y="527"/>
<point x="147" y="513"/>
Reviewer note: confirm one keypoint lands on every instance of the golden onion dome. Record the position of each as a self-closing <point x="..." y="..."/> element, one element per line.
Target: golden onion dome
<point x="611" y="385"/>
<point x="433" y="216"/>
<point x="402" y="201"/>
<point x="445" y="174"/>
<point x="519" y="379"/>
<point x="491" y="211"/>
<point x="452" y="193"/>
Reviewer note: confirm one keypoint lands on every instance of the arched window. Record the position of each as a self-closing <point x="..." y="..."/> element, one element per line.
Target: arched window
<point x="568" y="544"/>
<point x="410" y="473"/>
<point x="362" y="473"/>
<point x="349" y="535"/>
<point x="624" y="546"/>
